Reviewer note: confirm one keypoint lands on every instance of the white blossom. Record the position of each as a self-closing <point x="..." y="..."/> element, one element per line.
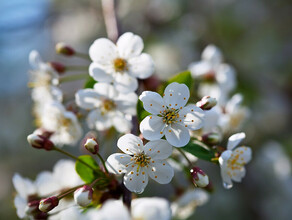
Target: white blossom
<point x="218" y="78"/>
<point x="120" y="63"/>
<point x="187" y="203"/>
<point x="170" y="116"/>
<point x="232" y="160"/>
<point x="64" y="124"/>
<point x="107" y="107"/>
<point x="141" y="161"/>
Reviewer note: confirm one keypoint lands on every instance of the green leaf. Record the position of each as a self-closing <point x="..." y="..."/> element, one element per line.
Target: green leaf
<point x="199" y="151"/>
<point x="141" y="112"/>
<point x="86" y="173"/>
<point x="89" y="83"/>
<point x="183" y="77"/>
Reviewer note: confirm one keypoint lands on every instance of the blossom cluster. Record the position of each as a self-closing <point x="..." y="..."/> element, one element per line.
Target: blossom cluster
<point x="162" y="134"/>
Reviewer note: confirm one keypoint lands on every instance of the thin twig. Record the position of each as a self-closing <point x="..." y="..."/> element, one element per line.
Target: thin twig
<point x="110" y="19"/>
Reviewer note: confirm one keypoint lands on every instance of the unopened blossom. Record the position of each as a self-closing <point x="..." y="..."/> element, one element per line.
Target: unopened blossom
<point x="186" y="204"/>
<point x="218" y="78"/>
<point x="91" y="145"/>
<point x="108" y="107"/>
<point x="233" y="160"/>
<point x="62" y="123"/>
<point x="139" y="161"/>
<point x="170" y="115"/>
<point x="83" y="196"/>
<point x="48" y="204"/>
<point x="200" y="178"/>
<point x="40" y="142"/>
<point x="120" y="63"/>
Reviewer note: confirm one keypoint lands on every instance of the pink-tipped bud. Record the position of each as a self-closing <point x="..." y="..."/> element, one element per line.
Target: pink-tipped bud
<point x="200" y="179"/>
<point x="64" y="49"/>
<point x="211" y="138"/>
<point x="32" y="207"/>
<point x="83" y="196"/>
<point x="58" y="67"/>
<point x="48" y="204"/>
<point x="91" y="145"/>
<point x="40" y="142"/>
<point x="206" y="103"/>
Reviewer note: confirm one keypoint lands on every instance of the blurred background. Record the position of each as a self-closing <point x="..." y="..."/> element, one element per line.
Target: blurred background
<point x="255" y="37"/>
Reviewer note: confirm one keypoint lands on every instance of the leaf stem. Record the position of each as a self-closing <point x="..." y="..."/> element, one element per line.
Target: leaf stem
<point x="74" y="157"/>
<point x="185" y="156"/>
<point x="73" y="77"/>
<point x="83" y="56"/>
<point x="103" y="162"/>
<point x="69" y="191"/>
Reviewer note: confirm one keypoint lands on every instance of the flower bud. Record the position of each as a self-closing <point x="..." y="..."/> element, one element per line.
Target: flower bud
<point x="200" y="179"/>
<point x="62" y="48"/>
<point x="58" y="67"/>
<point x="91" y="145"/>
<point x="48" y="204"/>
<point x="211" y="138"/>
<point x="40" y="142"/>
<point x="206" y="103"/>
<point x="83" y="196"/>
<point x="32" y="207"/>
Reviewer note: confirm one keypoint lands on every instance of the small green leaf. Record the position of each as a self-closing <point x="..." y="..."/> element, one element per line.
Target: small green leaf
<point x="183" y="77"/>
<point x="141" y="112"/>
<point x="89" y="83"/>
<point x="86" y="173"/>
<point x="199" y="151"/>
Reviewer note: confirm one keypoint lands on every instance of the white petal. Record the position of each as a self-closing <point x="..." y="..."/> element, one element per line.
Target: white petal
<point x="87" y="99"/>
<point x="234" y="140"/>
<point x="234" y="103"/>
<point x="176" y="95"/>
<point x="136" y="180"/>
<point x="125" y="83"/>
<point x="201" y="68"/>
<point x="106" y="90"/>
<point x="116" y="163"/>
<point x="192" y="116"/>
<point x="98" y="121"/>
<point x="130" y="45"/>
<point x="212" y="54"/>
<point x="177" y="135"/>
<point x="227" y="182"/>
<point x="23" y="186"/>
<point x="121" y="123"/>
<point x="99" y="73"/>
<point x="152" y="102"/>
<point x="225" y="76"/>
<point x="20" y="205"/>
<point x="127" y="103"/>
<point x="152" y="127"/>
<point x="47" y="184"/>
<point x="130" y="144"/>
<point x="238" y="174"/>
<point x="158" y="149"/>
<point x="161" y="171"/>
<point x="35" y="59"/>
<point x="150" y="209"/>
<point x="103" y="51"/>
<point x="141" y="66"/>
<point x="245" y="154"/>
<point x="225" y="157"/>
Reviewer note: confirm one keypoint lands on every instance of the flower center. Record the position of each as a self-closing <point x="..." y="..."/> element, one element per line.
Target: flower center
<point x="142" y="159"/>
<point x="120" y="65"/>
<point x="108" y="105"/>
<point x="170" y="115"/>
<point x="234" y="164"/>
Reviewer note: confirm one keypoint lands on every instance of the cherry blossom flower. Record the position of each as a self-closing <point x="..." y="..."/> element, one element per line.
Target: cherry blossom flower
<point x="187" y="203"/>
<point x="108" y="107"/>
<point x="140" y="161"/>
<point x="120" y="63"/>
<point x="170" y="116"/>
<point x="62" y="123"/>
<point x="218" y="78"/>
<point x="232" y="160"/>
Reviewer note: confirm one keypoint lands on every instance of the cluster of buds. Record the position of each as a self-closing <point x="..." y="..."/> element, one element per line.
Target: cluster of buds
<point x="200" y="178"/>
<point x="206" y="103"/>
<point x="40" y="142"/>
<point x="83" y="195"/>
